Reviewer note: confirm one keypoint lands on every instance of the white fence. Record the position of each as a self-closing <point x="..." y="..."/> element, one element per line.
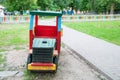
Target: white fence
<point x="25" y="19"/>
<point x="91" y="17"/>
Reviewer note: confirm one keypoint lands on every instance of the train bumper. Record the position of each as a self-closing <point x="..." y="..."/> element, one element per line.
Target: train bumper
<point x="42" y="67"/>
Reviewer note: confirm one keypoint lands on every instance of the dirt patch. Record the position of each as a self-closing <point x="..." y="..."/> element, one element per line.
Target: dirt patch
<point x="15" y="63"/>
<point x="71" y="67"/>
<point x="16" y="59"/>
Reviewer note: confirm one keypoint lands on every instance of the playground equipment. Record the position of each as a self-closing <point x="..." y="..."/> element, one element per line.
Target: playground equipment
<point x="44" y="43"/>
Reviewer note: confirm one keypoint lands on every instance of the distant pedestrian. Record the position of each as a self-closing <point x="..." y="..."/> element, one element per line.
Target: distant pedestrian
<point x="1" y="15"/>
<point x="27" y="12"/>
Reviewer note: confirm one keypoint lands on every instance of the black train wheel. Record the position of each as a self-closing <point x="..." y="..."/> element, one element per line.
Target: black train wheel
<point x="55" y="61"/>
<point x="29" y="59"/>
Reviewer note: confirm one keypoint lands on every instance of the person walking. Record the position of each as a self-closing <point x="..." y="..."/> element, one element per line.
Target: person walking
<point x="1" y="15"/>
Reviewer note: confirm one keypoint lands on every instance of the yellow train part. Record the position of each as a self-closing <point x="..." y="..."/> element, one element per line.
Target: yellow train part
<point x="42" y="68"/>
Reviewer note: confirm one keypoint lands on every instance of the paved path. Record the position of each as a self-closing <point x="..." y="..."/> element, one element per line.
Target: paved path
<point x="103" y="55"/>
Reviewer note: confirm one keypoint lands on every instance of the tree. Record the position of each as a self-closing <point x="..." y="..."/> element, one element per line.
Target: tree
<point x="19" y="5"/>
<point x="117" y="8"/>
<point x="83" y="4"/>
<point x="112" y="4"/>
<point x="107" y="5"/>
<point x="1" y="1"/>
<point x="92" y="2"/>
<point x="45" y="4"/>
<point x="62" y="3"/>
<point x="99" y="6"/>
<point x="75" y="4"/>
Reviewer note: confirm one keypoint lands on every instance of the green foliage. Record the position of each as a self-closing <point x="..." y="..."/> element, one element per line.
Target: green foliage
<point x="45" y="4"/>
<point x="1" y="1"/>
<point x="83" y="5"/>
<point x="109" y="30"/>
<point x="63" y="3"/>
<point x="75" y="4"/>
<point x="117" y="7"/>
<point x="99" y="6"/>
<point x="20" y="5"/>
<point x="107" y="5"/>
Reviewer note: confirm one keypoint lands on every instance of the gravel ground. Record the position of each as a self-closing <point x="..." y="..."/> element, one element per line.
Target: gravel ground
<point x="71" y="67"/>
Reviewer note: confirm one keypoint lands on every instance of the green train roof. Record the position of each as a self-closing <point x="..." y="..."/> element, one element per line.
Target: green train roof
<point x="46" y="13"/>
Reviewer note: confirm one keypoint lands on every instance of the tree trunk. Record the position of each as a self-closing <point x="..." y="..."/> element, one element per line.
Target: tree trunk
<point x="112" y="8"/>
<point x="92" y="5"/>
<point x="76" y="11"/>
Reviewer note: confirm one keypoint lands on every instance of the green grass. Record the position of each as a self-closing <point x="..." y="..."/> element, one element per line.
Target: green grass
<point x="29" y="75"/>
<point x="35" y="76"/>
<point x="2" y="62"/>
<point x="1" y="59"/>
<point x="13" y="34"/>
<point x="2" y="50"/>
<point x="18" y="48"/>
<point x="109" y="30"/>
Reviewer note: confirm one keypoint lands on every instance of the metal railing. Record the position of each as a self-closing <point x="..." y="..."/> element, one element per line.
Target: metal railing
<point x="90" y="17"/>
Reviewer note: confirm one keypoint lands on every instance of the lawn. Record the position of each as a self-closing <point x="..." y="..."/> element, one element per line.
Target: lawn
<point x="108" y="31"/>
<point x="13" y="34"/>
